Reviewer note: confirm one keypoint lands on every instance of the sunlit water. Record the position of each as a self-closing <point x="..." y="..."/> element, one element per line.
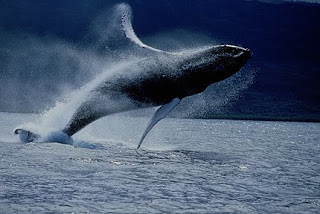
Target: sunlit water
<point x="185" y="166"/>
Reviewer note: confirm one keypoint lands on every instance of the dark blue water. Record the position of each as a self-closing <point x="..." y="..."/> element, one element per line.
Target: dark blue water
<point x="185" y="166"/>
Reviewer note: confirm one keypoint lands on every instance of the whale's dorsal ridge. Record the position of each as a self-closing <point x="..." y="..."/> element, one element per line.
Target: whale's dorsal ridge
<point x="130" y="34"/>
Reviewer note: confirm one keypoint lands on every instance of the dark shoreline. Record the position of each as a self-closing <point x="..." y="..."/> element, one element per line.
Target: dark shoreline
<point x="261" y="118"/>
<point x="219" y="117"/>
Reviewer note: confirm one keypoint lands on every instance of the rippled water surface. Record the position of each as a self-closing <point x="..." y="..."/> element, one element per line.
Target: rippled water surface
<point x="184" y="166"/>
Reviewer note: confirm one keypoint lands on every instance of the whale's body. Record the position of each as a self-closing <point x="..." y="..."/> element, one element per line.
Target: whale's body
<point x="163" y="79"/>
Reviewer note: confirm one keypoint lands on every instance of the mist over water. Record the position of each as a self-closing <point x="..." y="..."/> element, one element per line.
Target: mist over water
<point x="49" y="74"/>
<point x="218" y="97"/>
<point x="39" y="69"/>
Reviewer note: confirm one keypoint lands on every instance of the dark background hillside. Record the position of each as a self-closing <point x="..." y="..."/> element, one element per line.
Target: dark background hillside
<point x="283" y="37"/>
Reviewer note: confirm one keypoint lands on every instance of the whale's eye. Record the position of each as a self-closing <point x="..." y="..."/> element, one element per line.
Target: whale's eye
<point x="234" y="51"/>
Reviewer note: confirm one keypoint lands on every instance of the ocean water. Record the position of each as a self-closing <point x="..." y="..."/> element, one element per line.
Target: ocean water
<point x="184" y="166"/>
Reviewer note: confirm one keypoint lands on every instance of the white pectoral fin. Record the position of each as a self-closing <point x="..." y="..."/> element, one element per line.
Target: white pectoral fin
<point x="130" y="34"/>
<point x="161" y="113"/>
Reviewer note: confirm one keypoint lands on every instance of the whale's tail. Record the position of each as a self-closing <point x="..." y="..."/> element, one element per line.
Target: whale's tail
<point x="26" y="136"/>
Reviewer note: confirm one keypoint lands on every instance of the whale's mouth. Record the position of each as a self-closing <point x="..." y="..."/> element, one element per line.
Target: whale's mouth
<point x="233" y="51"/>
<point x="246" y="54"/>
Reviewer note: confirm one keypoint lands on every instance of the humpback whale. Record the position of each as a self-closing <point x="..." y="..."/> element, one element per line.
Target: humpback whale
<point x="163" y="79"/>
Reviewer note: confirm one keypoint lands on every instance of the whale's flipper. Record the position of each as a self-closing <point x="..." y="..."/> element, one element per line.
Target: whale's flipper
<point x="130" y="34"/>
<point x="26" y="136"/>
<point x="161" y="113"/>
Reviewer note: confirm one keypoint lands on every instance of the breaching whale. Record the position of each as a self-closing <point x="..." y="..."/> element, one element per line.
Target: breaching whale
<point x="162" y="79"/>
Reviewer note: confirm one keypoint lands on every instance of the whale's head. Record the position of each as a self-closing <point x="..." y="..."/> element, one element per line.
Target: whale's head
<point x="213" y="64"/>
<point x="216" y="63"/>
